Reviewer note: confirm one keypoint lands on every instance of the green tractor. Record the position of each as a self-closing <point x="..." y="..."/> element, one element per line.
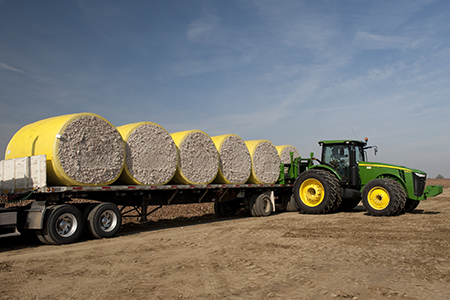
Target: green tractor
<point x="343" y="178"/>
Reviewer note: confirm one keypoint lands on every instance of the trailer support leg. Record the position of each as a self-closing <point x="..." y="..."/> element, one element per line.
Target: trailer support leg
<point x="144" y="206"/>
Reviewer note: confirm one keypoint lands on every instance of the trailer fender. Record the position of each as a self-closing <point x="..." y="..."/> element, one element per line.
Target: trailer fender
<point x="35" y="215"/>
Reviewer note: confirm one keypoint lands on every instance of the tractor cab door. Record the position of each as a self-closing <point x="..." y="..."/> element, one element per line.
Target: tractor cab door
<point x="338" y="157"/>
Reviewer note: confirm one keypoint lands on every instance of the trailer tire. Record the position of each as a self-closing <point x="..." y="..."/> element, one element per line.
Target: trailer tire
<point x="41" y="237"/>
<point x="63" y="224"/>
<point x="260" y="205"/>
<point x="317" y="192"/>
<point x="252" y="207"/>
<point x="226" y="209"/>
<point x="411" y="205"/>
<point x="383" y="197"/>
<point x="291" y="205"/>
<point x="104" y="220"/>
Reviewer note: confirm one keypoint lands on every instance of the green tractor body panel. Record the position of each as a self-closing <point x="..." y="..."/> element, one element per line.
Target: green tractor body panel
<point x="412" y="180"/>
<point x="328" y="168"/>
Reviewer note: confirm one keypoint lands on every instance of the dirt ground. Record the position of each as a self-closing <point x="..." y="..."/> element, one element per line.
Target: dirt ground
<point x="284" y="256"/>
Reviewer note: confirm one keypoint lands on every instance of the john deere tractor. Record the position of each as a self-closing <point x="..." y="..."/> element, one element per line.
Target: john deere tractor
<point x="343" y="178"/>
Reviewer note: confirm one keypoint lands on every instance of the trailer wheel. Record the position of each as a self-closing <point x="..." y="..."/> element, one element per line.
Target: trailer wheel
<point x="63" y="224"/>
<point x="317" y="192"/>
<point x="291" y="205"/>
<point x="383" y="197"/>
<point x="41" y="237"/>
<point x="104" y="220"/>
<point x="252" y="207"/>
<point x="226" y="209"/>
<point x="411" y="205"/>
<point x="260" y="205"/>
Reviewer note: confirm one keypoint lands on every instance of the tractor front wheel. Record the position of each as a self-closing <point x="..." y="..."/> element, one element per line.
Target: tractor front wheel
<point x="383" y="197"/>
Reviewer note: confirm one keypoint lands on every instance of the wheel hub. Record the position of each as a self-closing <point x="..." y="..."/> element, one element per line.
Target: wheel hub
<point x="312" y="192"/>
<point x="66" y="225"/>
<point x="378" y="198"/>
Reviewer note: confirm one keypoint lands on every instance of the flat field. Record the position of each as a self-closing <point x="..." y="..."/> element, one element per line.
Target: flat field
<point x="346" y="255"/>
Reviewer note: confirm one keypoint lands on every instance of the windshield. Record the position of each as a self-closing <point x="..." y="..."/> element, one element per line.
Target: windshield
<point x="337" y="157"/>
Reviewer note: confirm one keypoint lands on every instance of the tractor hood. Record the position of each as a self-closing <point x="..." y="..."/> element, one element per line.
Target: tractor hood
<point x="370" y="165"/>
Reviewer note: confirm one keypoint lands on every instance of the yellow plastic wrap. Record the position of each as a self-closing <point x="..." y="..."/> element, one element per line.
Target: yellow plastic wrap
<point x="44" y="137"/>
<point x="151" y="155"/>
<point x="265" y="162"/>
<point x="234" y="159"/>
<point x="285" y="156"/>
<point x="198" y="161"/>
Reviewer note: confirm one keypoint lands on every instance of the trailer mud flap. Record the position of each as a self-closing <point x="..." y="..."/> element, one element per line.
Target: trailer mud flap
<point x="8" y="224"/>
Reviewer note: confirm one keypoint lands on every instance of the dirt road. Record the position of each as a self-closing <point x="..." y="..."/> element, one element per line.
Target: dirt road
<point x="284" y="256"/>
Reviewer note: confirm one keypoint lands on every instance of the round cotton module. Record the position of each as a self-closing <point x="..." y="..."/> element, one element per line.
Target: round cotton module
<point x="265" y="162"/>
<point x="235" y="164"/>
<point x="285" y="153"/>
<point x="198" y="158"/>
<point x="150" y="154"/>
<point x="82" y="149"/>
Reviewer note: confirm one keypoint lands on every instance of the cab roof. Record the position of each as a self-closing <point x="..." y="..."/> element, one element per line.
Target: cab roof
<point x="343" y="142"/>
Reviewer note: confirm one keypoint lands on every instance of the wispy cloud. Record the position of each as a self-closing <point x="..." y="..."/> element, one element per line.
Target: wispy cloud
<point x="374" y="41"/>
<point x="203" y="27"/>
<point x="5" y="66"/>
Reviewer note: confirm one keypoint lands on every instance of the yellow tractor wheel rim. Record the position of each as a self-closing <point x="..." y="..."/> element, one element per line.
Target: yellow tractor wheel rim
<point x="312" y="192"/>
<point x="378" y="198"/>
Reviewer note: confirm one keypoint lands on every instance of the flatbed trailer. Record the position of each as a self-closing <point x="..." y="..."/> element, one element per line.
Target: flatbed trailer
<point x="57" y="216"/>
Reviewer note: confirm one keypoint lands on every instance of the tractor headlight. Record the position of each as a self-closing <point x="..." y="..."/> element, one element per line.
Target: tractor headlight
<point x="421" y="175"/>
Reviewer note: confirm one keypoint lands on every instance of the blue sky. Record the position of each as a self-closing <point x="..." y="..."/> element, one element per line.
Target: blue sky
<point x="292" y="72"/>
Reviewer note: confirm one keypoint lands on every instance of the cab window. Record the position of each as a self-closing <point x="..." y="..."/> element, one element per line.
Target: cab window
<point x="337" y="156"/>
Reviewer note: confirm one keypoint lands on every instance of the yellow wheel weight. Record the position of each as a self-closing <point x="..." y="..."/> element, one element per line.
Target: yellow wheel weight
<point x="311" y="192"/>
<point x="378" y="198"/>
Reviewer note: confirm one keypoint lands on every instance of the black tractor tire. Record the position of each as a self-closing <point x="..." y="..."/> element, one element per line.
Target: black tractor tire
<point x="260" y="205"/>
<point x="383" y="197"/>
<point x="63" y="224"/>
<point x="411" y="205"/>
<point x="104" y="220"/>
<point x="317" y="192"/>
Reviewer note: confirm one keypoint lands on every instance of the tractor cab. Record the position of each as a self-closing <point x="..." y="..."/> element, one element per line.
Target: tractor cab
<point x="343" y="157"/>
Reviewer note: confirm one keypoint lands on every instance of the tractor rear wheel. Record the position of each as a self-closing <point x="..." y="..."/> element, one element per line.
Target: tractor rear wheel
<point x="383" y="197"/>
<point x="317" y="192"/>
